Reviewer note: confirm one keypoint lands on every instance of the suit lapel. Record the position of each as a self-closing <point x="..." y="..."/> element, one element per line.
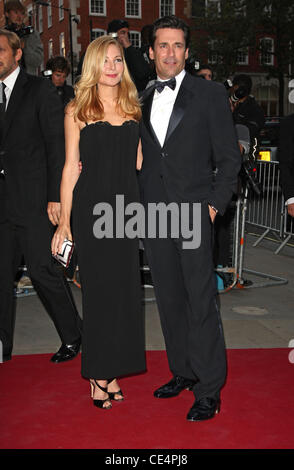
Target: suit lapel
<point x="14" y="101"/>
<point x="182" y="101"/>
<point x="146" y="113"/>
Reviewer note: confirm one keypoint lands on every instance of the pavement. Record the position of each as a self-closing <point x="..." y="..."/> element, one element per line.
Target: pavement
<point x="260" y="316"/>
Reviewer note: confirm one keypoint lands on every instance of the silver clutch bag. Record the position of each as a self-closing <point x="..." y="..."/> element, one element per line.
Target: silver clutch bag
<point x="66" y="252"/>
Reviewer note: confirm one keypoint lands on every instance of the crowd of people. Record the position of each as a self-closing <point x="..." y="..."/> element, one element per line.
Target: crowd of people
<point x="139" y="125"/>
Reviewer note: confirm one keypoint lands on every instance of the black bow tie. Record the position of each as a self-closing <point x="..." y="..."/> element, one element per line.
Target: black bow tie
<point x="159" y="86"/>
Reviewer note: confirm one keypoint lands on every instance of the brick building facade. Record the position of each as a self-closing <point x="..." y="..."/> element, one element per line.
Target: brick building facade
<point x="88" y="19"/>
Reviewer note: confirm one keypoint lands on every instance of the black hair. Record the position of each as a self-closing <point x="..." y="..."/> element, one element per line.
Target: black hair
<point x="172" y="22"/>
<point x="244" y="81"/>
<point x="115" y="25"/>
<point x="58" y="63"/>
<point x="205" y="67"/>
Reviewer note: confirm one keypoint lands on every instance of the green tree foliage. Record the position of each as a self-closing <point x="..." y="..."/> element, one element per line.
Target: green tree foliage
<point x="227" y="29"/>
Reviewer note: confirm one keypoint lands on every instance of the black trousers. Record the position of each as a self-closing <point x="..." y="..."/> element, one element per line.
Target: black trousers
<point x="32" y="240"/>
<point x="224" y="238"/>
<point x="185" y="289"/>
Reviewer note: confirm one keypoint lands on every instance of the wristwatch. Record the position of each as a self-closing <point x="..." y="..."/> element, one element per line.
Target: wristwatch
<point x="215" y="210"/>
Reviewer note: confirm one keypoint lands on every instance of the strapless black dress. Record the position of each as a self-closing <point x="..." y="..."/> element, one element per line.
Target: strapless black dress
<point x="113" y="325"/>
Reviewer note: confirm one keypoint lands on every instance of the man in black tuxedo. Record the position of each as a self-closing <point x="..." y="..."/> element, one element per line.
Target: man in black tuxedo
<point x="31" y="162"/>
<point x="286" y="158"/>
<point x="186" y="131"/>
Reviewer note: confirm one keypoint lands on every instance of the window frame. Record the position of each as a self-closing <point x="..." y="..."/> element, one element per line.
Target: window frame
<point x="161" y="6"/>
<point x="245" y="51"/>
<point x="138" y="34"/>
<point x="61" y="10"/>
<point x="91" y="13"/>
<point x="49" y="15"/>
<point x="269" y="54"/>
<point x="94" y="30"/>
<point x="139" y="10"/>
<point x="50" y="46"/>
<point x="62" y="39"/>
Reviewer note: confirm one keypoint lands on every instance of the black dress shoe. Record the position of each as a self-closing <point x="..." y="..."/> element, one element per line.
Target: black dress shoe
<point x="6" y="357"/>
<point x="174" y="387"/>
<point x="204" y="408"/>
<point x="66" y="352"/>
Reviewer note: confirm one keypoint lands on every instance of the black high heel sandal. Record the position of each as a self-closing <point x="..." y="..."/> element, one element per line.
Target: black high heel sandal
<point x="112" y="394"/>
<point x="100" y="403"/>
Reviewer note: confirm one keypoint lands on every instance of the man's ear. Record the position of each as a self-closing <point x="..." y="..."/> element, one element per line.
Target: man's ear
<point x="151" y="53"/>
<point x="18" y="55"/>
<point x="187" y="53"/>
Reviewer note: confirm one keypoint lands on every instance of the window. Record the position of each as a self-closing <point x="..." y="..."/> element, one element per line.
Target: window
<point x="213" y="54"/>
<point x="61" y="11"/>
<point x="213" y="7"/>
<point x="166" y="7"/>
<point x="135" y="38"/>
<point x="97" y="7"/>
<point x="133" y="8"/>
<point x="96" y="33"/>
<point x="268" y="98"/>
<point x="62" y="44"/>
<point x="49" y="14"/>
<point x="242" y="56"/>
<point x="40" y="19"/>
<point x="240" y="8"/>
<point x="50" y="48"/>
<point x="266" y="51"/>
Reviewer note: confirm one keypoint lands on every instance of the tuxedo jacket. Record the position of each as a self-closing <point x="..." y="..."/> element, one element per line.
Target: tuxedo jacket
<point x="286" y="155"/>
<point x="200" y="138"/>
<point x="32" y="148"/>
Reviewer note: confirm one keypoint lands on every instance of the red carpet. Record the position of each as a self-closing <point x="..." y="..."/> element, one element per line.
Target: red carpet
<point x="47" y="406"/>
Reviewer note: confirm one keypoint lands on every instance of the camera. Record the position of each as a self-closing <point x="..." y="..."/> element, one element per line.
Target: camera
<point x="20" y="31"/>
<point x="113" y="35"/>
<point x="248" y="173"/>
<point x="239" y="93"/>
<point x="47" y="73"/>
<point x="228" y="84"/>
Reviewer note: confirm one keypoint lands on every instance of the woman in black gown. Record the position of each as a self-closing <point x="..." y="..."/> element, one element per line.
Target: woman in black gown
<point x="102" y="131"/>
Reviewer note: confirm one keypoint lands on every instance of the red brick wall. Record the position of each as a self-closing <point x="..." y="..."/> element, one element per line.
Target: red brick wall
<point x="55" y="30"/>
<point x="116" y="10"/>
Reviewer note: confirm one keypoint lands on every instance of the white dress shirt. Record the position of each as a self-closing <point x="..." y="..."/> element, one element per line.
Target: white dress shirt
<point x="162" y="107"/>
<point x="9" y="83"/>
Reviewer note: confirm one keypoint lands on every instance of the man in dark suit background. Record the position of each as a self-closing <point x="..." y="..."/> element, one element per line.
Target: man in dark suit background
<point x="60" y="69"/>
<point x="31" y="162"/>
<point x="286" y="158"/>
<point x="186" y="131"/>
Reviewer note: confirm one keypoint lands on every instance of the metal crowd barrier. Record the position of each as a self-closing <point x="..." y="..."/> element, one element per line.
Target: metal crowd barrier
<point x="267" y="212"/>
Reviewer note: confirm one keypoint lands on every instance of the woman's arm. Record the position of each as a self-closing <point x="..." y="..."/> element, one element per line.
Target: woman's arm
<point x="70" y="176"/>
<point x="139" y="156"/>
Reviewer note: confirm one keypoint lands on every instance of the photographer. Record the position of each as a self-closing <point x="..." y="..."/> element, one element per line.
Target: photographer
<point x="249" y="119"/>
<point x="245" y="109"/>
<point x="139" y="68"/>
<point x="31" y="44"/>
<point x="60" y="69"/>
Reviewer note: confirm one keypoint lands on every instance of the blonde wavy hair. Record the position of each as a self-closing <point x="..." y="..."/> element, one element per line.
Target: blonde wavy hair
<point x="86" y="105"/>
